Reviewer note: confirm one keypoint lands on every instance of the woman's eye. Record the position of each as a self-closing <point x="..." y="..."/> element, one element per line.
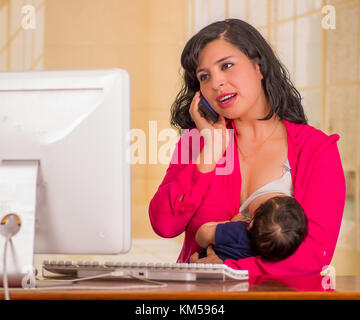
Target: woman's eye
<point x="203" y="77"/>
<point x="226" y="65"/>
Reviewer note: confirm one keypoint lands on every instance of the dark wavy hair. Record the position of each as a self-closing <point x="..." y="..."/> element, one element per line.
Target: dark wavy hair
<point x="279" y="227"/>
<point x="283" y="97"/>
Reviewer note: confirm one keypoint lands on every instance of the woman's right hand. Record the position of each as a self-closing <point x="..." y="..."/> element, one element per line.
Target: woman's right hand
<point x="216" y="136"/>
<point x="199" y="118"/>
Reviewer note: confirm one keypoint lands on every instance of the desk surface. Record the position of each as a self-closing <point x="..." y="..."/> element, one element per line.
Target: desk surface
<point x="265" y="288"/>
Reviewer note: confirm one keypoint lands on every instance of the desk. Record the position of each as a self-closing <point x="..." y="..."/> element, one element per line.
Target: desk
<point x="313" y="287"/>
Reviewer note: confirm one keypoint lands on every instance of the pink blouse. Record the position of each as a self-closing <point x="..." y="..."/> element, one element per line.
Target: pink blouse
<point x="187" y="198"/>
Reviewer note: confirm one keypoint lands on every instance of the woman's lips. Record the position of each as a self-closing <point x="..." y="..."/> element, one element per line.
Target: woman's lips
<point x="226" y="100"/>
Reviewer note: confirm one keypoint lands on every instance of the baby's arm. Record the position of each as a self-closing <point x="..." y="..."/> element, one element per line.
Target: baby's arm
<point x="205" y="235"/>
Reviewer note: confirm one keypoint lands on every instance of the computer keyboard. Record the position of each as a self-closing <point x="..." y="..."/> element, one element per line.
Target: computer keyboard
<point x="148" y="270"/>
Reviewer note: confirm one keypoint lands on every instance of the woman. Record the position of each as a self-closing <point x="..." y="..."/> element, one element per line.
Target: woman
<point x="262" y="126"/>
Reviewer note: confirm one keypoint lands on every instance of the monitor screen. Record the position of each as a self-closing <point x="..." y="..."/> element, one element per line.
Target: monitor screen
<point x="76" y="124"/>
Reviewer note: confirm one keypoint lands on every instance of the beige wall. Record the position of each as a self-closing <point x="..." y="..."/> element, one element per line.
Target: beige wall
<point x="146" y="38"/>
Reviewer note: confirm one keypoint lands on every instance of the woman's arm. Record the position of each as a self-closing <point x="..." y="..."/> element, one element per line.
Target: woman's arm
<point x="182" y="190"/>
<point x="189" y="175"/>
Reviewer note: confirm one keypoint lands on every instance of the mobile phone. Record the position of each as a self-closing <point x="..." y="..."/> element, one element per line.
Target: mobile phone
<point x="208" y="111"/>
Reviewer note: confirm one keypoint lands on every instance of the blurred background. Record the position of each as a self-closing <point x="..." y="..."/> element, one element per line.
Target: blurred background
<point x="318" y="41"/>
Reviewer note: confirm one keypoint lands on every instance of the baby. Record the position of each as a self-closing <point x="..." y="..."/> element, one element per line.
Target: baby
<point x="277" y="228"/>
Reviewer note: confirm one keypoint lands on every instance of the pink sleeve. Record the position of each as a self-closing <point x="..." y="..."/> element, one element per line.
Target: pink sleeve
<point x="181" y="192"/>
<point x="323" y="200"/>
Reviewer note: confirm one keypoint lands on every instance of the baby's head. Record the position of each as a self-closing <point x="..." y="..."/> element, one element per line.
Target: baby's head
<point x="278" y="228"/>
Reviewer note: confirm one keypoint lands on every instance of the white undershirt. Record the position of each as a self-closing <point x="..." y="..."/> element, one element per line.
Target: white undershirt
<point x="282" y="185"/>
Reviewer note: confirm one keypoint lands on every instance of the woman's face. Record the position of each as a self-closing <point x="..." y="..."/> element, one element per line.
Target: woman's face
<point x="230" y="81"/>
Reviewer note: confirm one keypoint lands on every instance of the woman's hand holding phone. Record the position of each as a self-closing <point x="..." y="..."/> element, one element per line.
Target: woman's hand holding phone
<point x="215" y="134"/>
<point x="201" y="121"/>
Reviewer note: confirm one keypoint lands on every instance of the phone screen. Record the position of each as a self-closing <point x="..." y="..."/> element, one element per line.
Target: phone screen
<point x="208" y="111"/>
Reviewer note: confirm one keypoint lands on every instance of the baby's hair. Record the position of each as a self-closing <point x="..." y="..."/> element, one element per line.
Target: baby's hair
<point x="279" y="227"/>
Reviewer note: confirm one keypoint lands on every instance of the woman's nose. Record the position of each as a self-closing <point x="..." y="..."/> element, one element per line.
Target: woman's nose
<point x="218" y="81"/>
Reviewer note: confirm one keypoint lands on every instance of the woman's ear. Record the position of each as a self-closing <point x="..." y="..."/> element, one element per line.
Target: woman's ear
<point x="257" y="65"/>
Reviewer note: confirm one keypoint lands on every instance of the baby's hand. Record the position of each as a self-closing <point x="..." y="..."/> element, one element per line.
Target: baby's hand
<point x="211" y="257"/>
<point x="240" y="217"/>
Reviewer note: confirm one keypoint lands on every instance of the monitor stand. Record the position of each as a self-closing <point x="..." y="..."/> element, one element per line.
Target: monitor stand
<point x="18" y="180"/>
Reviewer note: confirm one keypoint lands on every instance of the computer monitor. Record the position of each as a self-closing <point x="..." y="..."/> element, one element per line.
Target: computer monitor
<point x="76" y="124"/>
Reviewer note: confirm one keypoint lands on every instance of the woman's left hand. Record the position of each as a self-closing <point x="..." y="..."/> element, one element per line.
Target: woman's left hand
<point x="210" y="258"/>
